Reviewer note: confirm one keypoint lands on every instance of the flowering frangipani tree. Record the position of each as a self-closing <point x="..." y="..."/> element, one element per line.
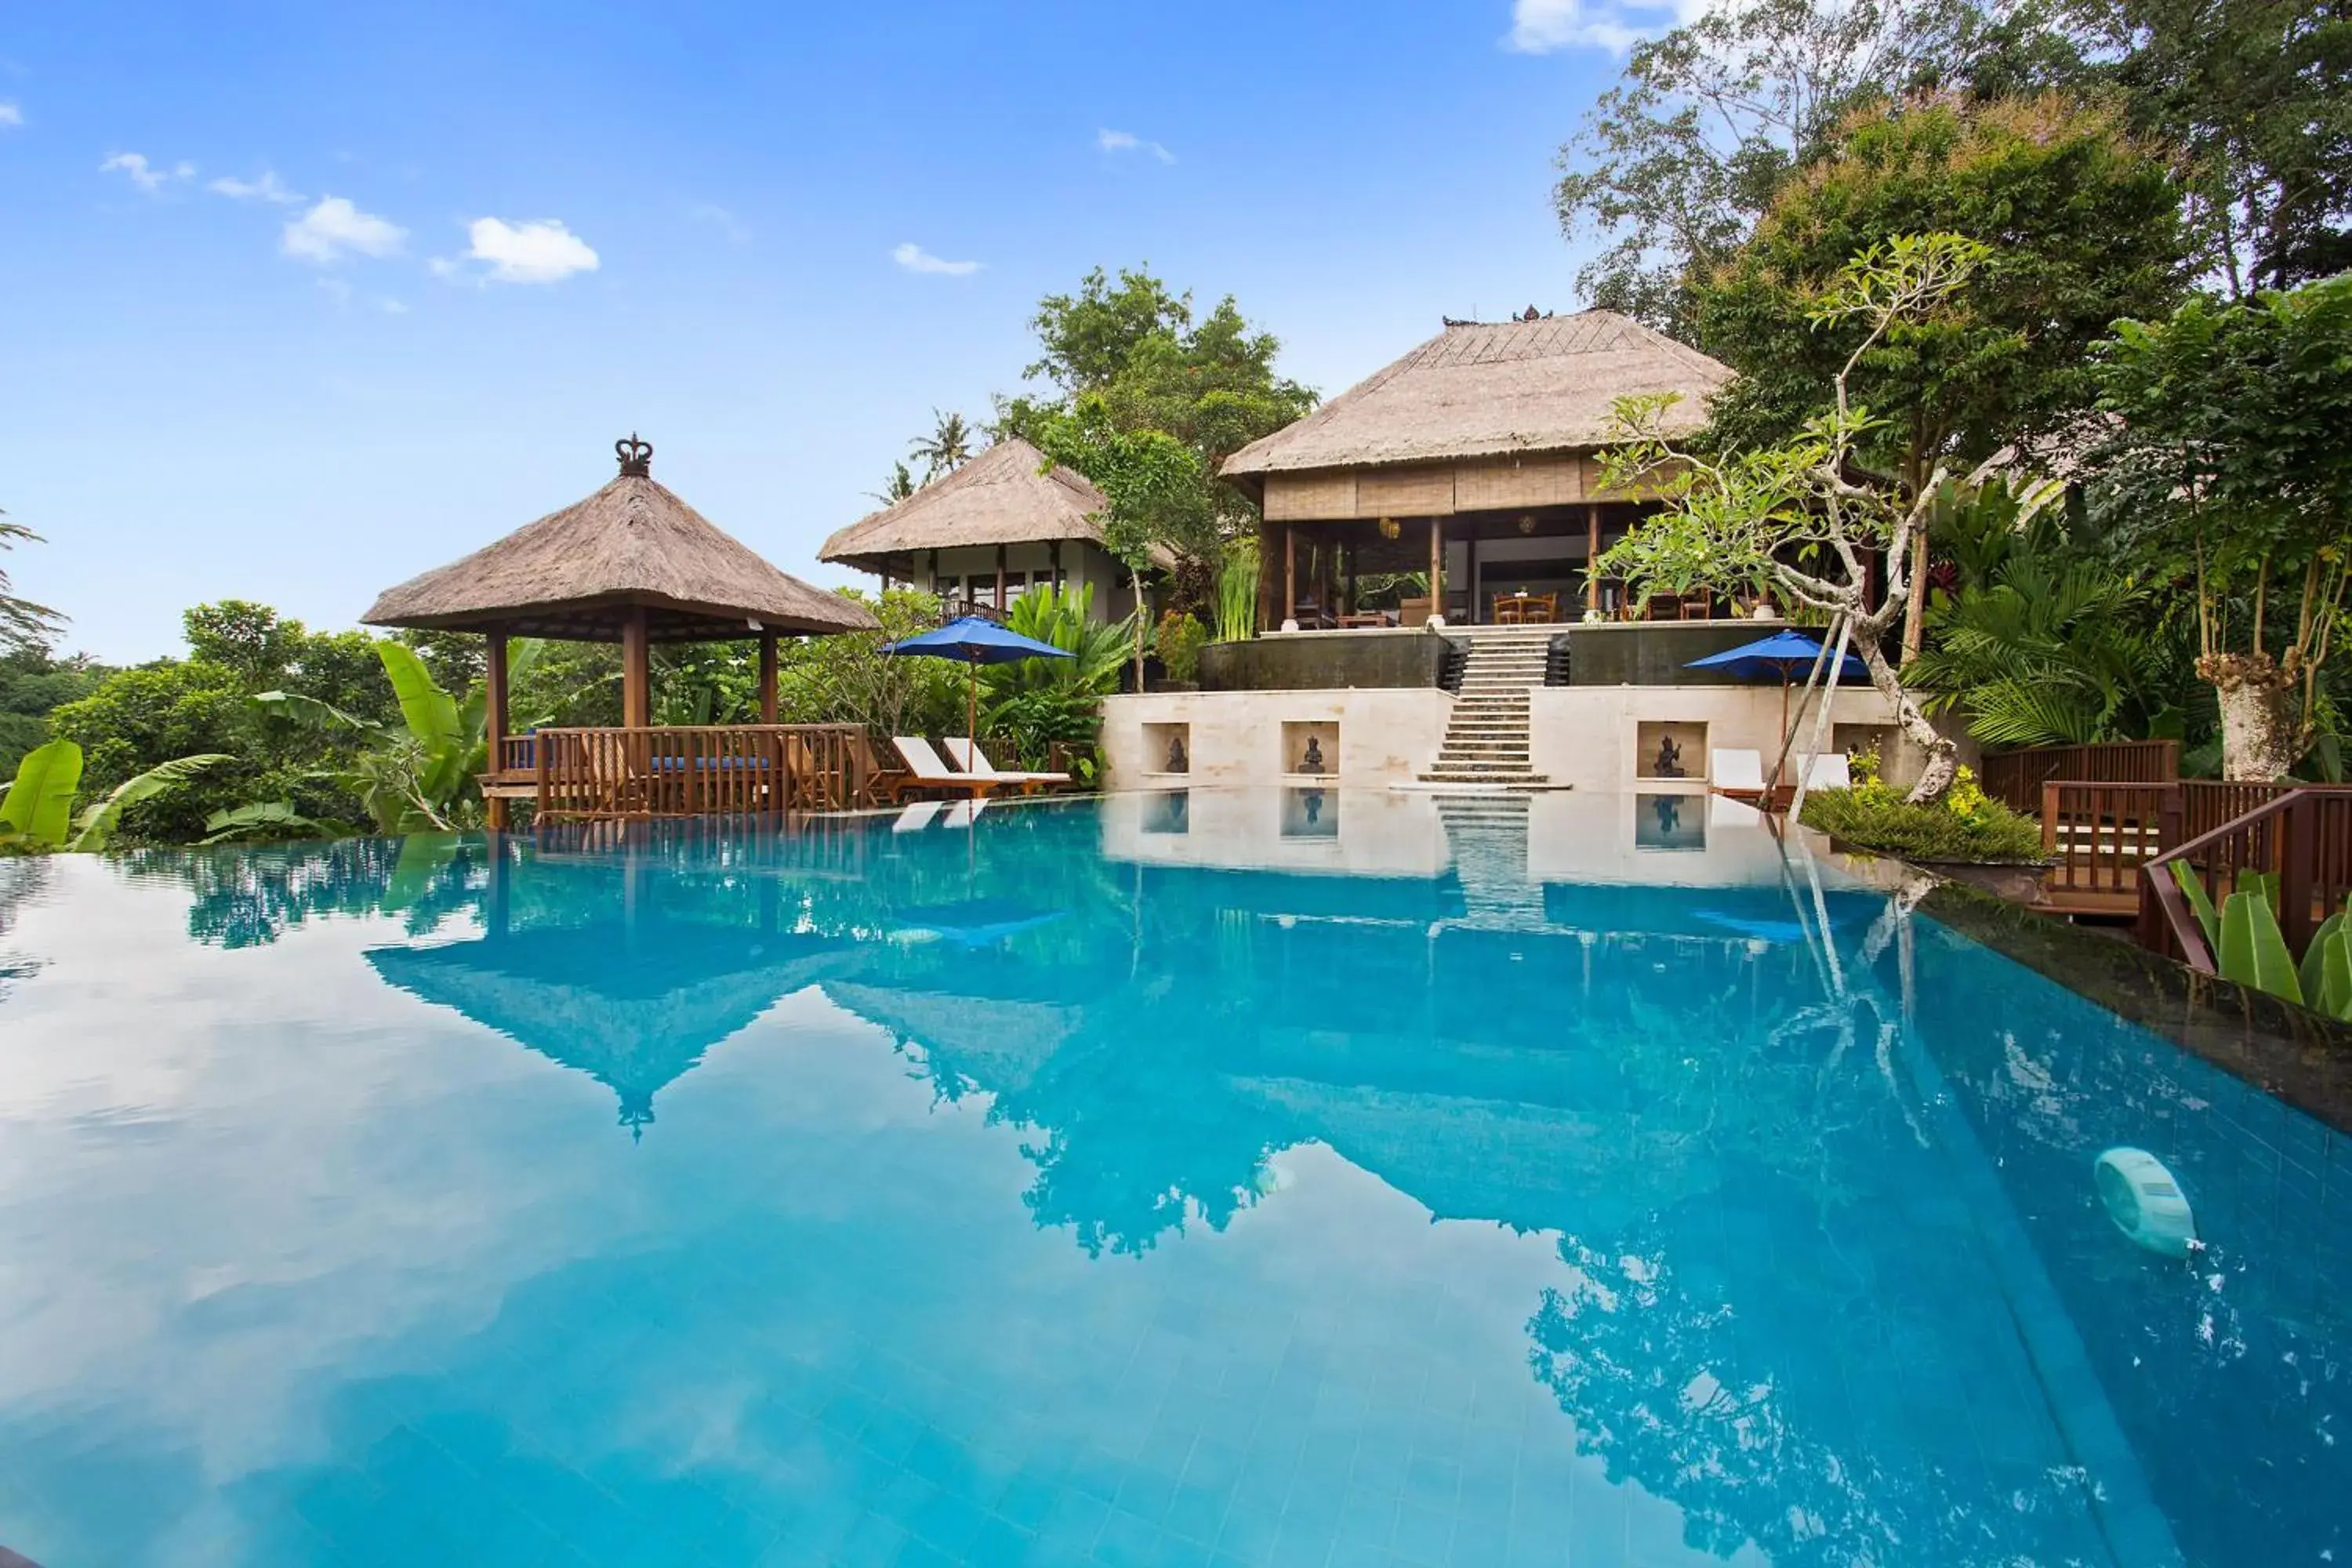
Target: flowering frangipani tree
<point x="1802" y="519"/>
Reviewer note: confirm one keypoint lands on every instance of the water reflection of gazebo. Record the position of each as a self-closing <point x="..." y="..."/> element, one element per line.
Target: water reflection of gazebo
<point x="636" y="1006"/>
<point x="636" y="565"/>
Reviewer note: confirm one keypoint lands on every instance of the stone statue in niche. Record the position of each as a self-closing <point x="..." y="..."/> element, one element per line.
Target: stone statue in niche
<point x="1669" y="764"/>
<point x="1176" y="759"/>
<point x="1312" y="762"/>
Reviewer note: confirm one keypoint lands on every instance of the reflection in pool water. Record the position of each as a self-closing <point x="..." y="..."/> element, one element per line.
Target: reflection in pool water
<point x="1006" y="1192"/>
<point x="1674" y="822"/>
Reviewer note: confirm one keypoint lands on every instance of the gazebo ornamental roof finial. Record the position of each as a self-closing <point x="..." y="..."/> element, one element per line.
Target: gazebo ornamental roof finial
<point x="636" y="456"/>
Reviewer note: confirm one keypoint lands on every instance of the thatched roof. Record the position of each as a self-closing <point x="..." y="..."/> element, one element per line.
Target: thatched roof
<point x="576" y="574"/>
<point x="1006" y="495"/>
<point x="1482" y="389"/>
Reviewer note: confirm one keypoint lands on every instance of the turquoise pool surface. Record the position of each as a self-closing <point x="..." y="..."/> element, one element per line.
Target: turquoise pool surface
<point x="1221" y="1178"/>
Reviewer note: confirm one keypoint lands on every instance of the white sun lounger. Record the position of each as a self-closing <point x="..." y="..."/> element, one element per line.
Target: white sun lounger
<point x="1735" y="773"/>
<point x="929" y="773"/>
<point x="1828" y="770"/>
<point x="974" y="762"/>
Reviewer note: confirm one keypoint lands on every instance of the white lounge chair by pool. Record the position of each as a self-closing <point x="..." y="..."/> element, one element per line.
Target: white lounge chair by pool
<point x="1735" y="773"/>
<point x="974" y="762"/>
<point x="1828" y="770"/>
<point x="929" y="773"/>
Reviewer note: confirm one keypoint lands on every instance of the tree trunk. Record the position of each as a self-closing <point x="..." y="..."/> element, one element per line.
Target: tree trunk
<point x="2262" y="734"/>
<point x="1942" y="755"/>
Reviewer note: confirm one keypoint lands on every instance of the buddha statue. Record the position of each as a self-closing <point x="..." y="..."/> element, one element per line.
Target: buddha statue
<point x="1312" y="762"/>
<point x="1669" y="764"/>
<point x="1177" y="762"/>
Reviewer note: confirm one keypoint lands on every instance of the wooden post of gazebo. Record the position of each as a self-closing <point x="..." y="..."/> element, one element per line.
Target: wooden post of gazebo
<point x="1437" y="568"/>
<point x="634" y="565"/>
<point x="1592" y="555"/>
<point x="494" y="719"/>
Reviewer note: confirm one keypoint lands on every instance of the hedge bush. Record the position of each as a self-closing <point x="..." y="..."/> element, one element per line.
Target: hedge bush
<point x="1966" y="826"/>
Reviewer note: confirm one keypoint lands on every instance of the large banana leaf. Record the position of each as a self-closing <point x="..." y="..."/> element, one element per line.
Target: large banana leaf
<point x="2254" y="950"/>
<point x="2200" y="902"/>
<point x="313" y="712"/>
<point x="97" y="824"/>
<point x="431" y="718"/>
<point x="39" y="806"/>
<point x="267" y="819"/>
<point x="2313" y="960"/>
<point x="2332" y="994"/>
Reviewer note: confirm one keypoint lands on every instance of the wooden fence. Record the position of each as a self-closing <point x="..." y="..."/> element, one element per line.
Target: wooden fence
<point x="2301" y="834"/>
<point x="2098" y="835"/>
<point x="2015" y="778"/>
<point x="691" y="770"/>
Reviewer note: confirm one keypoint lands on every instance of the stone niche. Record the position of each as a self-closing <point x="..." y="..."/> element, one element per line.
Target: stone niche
<point x="1670" y="749"/>
<point x="1168" y="748"/>
<point x="1310" y="748"/>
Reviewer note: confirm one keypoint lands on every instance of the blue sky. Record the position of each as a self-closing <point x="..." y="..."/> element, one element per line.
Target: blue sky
<point x="298" y="301"/>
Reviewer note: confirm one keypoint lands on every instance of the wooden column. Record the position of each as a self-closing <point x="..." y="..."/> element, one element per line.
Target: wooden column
<point x="1591" y="554"/>
<point x="1000" y="579"/>
<point x="1477" y="581"/>
<point x="1437" y="567"/>
<point x="1347" y="579"/>
<point x="1056" y="551"/>
<point x="636" y="671"/>
<point x="1289" y="572"/>
<point x="494" y="719"/>
<point x="767" y="677"/>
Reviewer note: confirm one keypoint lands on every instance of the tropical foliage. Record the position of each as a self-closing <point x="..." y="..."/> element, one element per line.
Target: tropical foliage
<point x="2226" y="466"/>
<point x="37" y="805"/>
<point x="1039" y="704"/>
<point x="1801" y="516"/>
<point x="2249" y="948"/>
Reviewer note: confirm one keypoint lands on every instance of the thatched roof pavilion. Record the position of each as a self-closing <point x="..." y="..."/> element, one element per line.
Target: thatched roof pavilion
<point x="633" y="564"/>
<point x="1484" y="436"/>
<point x="631" y="550"/>
<point x="985" y="530"/>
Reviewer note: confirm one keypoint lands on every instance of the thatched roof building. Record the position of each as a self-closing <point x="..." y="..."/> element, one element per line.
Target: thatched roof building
<point x="579" y="572"/>
<point x="1493" y="389"/>
<point x="1476" y="450"/>
<point x="1002" y="521"/>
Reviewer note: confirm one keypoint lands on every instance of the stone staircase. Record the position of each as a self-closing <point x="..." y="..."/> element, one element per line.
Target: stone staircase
<point x="1486" y="738"/>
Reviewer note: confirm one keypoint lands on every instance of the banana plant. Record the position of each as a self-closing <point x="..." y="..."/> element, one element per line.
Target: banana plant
<point x="35" y="812"/>
<point x="2253" y="951"/>
<point x="2249" y="949"/>
<point x="414" y="776"/>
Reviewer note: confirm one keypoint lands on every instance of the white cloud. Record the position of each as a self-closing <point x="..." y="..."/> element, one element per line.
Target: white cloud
<point x="335" y="228"/>
<point x="539" y="251"/>
<point x="915" y="258"/>
<point x="391" y="306"/>
<point x="1541" y="27"/>
<point x="1129" y="141"/>
<point x="267" y="188"/>
<point x="147" y="176"/>
<point x="10" y="113"/>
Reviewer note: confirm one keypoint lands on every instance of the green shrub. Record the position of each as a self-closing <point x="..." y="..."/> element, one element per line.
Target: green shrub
<point x="1178" y="642"/>
<point x="1966" y="826"/>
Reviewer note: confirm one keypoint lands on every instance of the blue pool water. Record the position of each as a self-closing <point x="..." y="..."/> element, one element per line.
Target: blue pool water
<point x="1210" y="1179"/>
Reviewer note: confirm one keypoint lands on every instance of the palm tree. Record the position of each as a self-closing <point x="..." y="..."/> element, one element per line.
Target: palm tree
<point x="23" y="624"/>
<point x="947" y="444"/>
<point x="900" y="486"/>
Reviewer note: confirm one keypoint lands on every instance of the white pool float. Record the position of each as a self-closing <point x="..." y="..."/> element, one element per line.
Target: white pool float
<point x="2146" y="1203"/>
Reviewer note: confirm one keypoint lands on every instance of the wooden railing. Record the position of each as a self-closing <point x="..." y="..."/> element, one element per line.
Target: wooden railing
<point x="2097" y="836"/>
<point x="2301" y="834"/>
<point x="2015" y="778"/>
<point x="690" y="769"/>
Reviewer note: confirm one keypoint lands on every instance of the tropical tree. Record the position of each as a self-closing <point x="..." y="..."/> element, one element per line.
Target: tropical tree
<point x="897" y="488"/>
<point x="2080" y="225"/>
<point x="23" y="624"/>
<point x="945" y="448"/>
<point x="2256" y="95"/>
<point x="1673" y="166"/>
<point x="1803" y="516"/>
<point x="848" y="680"/>
<point x="35" y="683"/>
<point x="2227" y="466"/>
<point x="1039" y="703"/>
<point x="1150" y="400"/>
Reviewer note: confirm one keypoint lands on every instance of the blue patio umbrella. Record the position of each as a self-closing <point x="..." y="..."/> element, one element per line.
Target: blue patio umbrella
<point x="1781" y="654"/>
<point x="976" y="642"/>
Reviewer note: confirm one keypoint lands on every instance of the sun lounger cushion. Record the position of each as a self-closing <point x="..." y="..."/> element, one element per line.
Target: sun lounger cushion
<point x="973" y="761"/>
<point x="1736" y="770"/>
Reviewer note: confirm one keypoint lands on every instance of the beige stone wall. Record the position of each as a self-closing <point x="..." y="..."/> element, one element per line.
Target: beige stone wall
<point x="1589" y="736"/>
<point x="1236" y="737"/>
<point x="1373" y="832"/>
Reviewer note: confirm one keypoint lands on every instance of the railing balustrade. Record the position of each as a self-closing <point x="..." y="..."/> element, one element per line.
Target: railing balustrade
<point x="2302" y="834"/>
<point x="2015" y="778"/>
<point x="2097" y="836"/>
<point x="691" y="770"/>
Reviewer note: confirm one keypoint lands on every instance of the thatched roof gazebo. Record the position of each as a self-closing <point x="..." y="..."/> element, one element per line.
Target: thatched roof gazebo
<point x="632" y="565"/>
<point x="1003" y="520"/>
<point x="1486" y="438"/>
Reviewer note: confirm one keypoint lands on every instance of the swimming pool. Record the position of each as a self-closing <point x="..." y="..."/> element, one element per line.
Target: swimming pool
<point x="1201" y="1178"/>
